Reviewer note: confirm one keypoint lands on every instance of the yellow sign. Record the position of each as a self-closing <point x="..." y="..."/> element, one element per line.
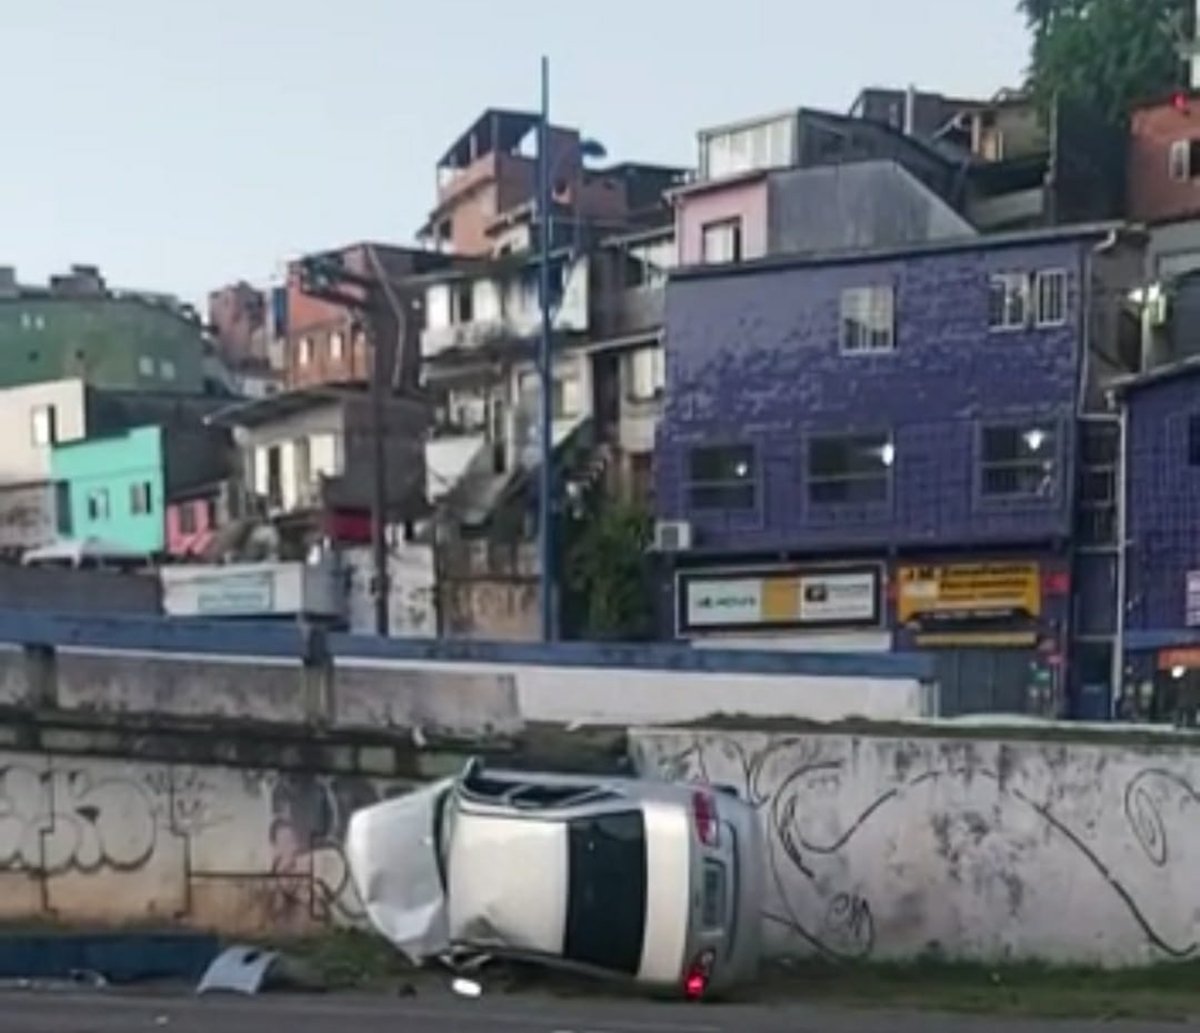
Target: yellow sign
<point x="976" y="639"/>
<point x="969" y="590"/>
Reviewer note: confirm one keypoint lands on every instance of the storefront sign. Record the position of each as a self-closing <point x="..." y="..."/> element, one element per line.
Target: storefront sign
<point x="235" y="595"/>
<point x="968" y="592"/>
<point x="1192" y="602"/>
<point x="784" y="599"/>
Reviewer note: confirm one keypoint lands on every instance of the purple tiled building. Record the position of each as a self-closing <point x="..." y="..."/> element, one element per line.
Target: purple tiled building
<point x="1162" y="557"/>
<point x="879" y="450"/>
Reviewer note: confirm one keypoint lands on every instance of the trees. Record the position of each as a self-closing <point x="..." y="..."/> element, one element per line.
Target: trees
<point x="609" y="574"/>
<point x="1107" y="54"/>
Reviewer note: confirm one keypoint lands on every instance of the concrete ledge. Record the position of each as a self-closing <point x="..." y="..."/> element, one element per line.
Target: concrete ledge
<point x="188" y="687"/>
<point x="133" y="632"/>
<point x="450" y="702"/>
<point x="275" y="639"/>
<point x="635" y="655"/>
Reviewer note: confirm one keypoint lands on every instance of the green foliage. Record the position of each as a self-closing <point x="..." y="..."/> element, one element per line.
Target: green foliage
<point x="1107" y="54"/>
<point x="609" y="575"/>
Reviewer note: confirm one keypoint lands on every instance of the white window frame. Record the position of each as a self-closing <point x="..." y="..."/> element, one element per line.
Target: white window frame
<point x="647" y="374"/>
<point x="1179" y="161"/>
<point x="141" y="498"/>
<point x="1040" y="281"/>
<point x="42" y="425"/>
<point x="868" y="312"/>
<point x="99" y="505"/>
<point x="304" y="351"/>
<point x="337" y="346"/>
<point x="1014" y="284"/>
<point x="729" y="230"/>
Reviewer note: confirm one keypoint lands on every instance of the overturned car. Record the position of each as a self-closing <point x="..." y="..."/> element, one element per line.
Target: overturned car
<point x="651" y="881"/>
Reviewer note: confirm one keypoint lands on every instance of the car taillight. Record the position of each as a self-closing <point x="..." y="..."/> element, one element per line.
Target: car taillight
<point x="698" y="975"/>
<point x="704" y="814"/>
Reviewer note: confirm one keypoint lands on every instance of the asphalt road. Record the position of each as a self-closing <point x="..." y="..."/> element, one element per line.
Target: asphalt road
<point x="109" y="1012"/>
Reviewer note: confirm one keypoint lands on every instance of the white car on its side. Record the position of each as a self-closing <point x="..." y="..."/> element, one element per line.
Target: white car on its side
<point x="653" y="881"/>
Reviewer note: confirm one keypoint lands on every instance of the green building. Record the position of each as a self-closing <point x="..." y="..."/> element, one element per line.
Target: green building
<point x="112" y="488"/>
<point x="77" y="327"/>
<point x="118" y="487"/>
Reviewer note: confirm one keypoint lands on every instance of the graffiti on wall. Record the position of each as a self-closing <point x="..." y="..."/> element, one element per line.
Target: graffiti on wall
<point x="153" y="839"/>
<point x="867" y="856"/>
<point x="309" y="818"/>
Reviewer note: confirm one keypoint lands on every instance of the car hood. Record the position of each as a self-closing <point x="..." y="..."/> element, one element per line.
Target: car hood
<point x="392" y="853"/>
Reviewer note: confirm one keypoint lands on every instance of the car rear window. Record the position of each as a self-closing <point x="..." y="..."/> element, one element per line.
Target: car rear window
<point x="606" y="896"/>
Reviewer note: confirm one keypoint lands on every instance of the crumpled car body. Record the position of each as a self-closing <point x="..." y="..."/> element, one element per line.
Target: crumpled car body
<point x="651" y="881"/>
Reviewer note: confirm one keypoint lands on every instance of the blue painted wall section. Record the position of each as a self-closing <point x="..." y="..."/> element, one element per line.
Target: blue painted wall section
<point x="1164" y="501"/>
<point x="754" y="357"/>
<point x="286" y="639"/>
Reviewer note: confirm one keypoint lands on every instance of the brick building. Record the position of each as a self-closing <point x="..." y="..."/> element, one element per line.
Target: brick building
<point x="328" y="343"/>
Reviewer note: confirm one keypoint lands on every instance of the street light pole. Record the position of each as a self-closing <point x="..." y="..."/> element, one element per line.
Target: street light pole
<point x="546" y="545"/>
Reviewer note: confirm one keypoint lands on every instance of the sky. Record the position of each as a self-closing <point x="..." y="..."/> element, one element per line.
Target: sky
<point x="184" y="144"/>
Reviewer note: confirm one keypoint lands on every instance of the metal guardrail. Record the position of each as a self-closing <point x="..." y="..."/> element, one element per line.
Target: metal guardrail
<point x="235" y="638"/>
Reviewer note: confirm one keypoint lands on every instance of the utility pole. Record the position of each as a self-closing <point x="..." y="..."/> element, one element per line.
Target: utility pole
<point x="379" y="486"/>
<point x="546" y="550"/>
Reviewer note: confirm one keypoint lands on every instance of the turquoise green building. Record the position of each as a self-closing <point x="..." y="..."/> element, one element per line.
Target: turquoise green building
<point x="77" y="328"/>
<point x="113" y="488"/>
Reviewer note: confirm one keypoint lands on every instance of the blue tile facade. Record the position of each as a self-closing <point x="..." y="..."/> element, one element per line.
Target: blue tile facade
<point x="754" y="357"/>
<point x="1164" y="502"/>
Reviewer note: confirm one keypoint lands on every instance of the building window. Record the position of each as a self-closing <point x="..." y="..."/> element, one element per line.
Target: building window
<point x="868" y="319"/>
<point x="337" y="346"/>
<point x="97" y="504"/>
<point x="146" y="366"/>
<point x="722" y="477"/>
<point x="166" y="369"/>
<point x="1050" y="294"/>
<point x="275" y="476"/>
<point x="62" y="509"/>
<point x="850" y="469"/>
<point x="1184" y="161"/>
<point x="139" y="498"/>
<point x="187" y="517"/>
<point x="647" y="374"/>
<point x="721" y="242"/>
<point x="306" y="351"/>
<point x="464" y="303"/>
<point x="1019" y="461"/>
<point x="566" y="398"/>
<point x="1194" y="441"/>
<point x="44" y="425"/>
<point x="1008" y="301"/>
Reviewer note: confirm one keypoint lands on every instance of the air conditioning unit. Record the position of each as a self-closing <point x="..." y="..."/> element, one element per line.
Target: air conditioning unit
<point x="672" y="536"/>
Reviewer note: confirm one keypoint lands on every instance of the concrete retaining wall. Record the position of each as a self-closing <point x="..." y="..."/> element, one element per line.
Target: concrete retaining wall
<point x="894" y="848"/>
<point x="618" y="696"/>
<point x="288" y="674"/>
<point x="239" y="851"/>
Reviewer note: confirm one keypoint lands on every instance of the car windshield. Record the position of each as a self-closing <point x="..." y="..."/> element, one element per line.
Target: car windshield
<point x="606" y="897"/>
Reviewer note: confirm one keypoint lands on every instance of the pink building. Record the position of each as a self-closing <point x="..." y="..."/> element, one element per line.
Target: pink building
<point x="191" y="525"/>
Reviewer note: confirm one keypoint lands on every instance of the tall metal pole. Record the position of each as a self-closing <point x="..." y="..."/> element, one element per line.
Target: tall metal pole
<point x="379" y="383"/>
<point x="546" y="368"/>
